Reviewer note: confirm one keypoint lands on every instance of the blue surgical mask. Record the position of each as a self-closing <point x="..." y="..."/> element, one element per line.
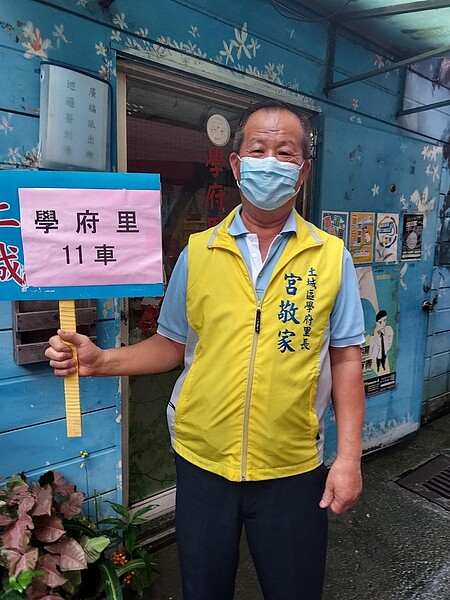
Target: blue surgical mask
<point x="268" y="183"/>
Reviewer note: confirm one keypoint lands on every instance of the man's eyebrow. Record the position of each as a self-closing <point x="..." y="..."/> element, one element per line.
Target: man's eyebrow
<point x="256" y="139"/>
<point x="261" y="139"/>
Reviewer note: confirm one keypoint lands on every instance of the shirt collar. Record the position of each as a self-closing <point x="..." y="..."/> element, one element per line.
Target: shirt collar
<point x="238" y="228"/>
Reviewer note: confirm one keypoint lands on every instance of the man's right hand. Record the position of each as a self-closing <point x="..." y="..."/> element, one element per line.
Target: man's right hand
<point x="89" y="356"/>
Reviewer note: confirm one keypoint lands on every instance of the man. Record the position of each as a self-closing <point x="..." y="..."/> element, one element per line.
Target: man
<point x="381" y="341"/>
<point x="264" y="311"/>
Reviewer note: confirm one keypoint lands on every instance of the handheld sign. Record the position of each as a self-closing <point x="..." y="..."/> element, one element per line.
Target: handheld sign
<point x="73" y="235"/>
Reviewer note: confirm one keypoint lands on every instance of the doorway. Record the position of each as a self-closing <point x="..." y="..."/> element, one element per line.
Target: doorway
<point x="166" y="122"/>
<point x="181" y="128"/>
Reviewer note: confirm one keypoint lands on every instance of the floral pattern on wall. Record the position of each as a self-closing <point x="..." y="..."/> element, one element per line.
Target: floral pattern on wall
<point x="38" y="46"/>
<point x="431" y="154"/>
<point x="386" y="432"/>
<point x="381" y="61"/>
<point x="27" y="159"/>
<point x="5" y="123"/>
<point x="237" y="52"/>
<point x="422" y="202"/>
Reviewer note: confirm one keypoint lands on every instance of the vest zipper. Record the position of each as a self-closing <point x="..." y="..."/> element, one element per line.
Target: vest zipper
<point x="248" y="394"/>
<point x="258" y="320"/>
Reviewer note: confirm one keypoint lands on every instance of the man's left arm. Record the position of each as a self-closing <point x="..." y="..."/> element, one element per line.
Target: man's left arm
<point x="344" y="481"/>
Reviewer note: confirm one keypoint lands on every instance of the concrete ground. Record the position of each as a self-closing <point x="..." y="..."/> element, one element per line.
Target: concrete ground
<point x="393" y="545"/>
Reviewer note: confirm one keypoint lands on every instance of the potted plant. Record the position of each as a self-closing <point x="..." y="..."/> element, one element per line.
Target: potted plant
<point x="50" y="551"/>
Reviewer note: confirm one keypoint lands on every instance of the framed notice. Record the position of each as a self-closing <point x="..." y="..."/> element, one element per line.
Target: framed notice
<point x="75" y="120"/>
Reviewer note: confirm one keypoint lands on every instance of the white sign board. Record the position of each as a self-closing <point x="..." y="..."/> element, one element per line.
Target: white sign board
<point x="75" y="116"/>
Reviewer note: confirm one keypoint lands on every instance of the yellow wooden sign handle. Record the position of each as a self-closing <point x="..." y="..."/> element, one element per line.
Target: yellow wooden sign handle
<point x="71" y="382"/>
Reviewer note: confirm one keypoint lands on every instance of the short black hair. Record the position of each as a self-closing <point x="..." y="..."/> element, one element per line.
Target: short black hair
<point x="380" y="314"/>
<point x="273" y="105"/>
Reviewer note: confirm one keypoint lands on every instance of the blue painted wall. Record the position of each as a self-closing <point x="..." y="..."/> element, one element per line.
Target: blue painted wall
<point x="361" y="146"/>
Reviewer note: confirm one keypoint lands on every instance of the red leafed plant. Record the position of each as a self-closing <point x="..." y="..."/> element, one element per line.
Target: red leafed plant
<point x="49" y="551"/>
<point x="33" y="534"/>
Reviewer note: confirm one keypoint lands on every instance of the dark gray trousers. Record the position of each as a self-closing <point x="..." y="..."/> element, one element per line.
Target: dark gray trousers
<point x="285" y="528"/>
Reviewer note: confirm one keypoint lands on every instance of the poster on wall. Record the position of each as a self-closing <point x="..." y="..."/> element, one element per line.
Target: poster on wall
<point x="336" y="223"/>
<point x="379" y="296"/>
<point x="412" y="236"/>
<point x="361" y="236"/>
<point x="386" y="238"/>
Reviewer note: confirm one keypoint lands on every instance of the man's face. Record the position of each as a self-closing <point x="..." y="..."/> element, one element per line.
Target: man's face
<point x="275" y="133"/>
<point x="381" y="324"/>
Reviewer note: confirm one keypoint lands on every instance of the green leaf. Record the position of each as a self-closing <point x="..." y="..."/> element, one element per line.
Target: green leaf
<point x="110" y="581"/>
<point x="93" y="547"/>
<point x="112" y="521"/>
<point x="11" y="595"/>
<point x="150" y="565"/>
<point x="119" y="509"/>
<point x="143" y="511"/>
<point x="143" y="578"/>
<point x="14" y="587"/>
<point x="115" y="540"/>
<point x="76" y="527"/>
<point x="129" y="539"/>
<point x="132" y="565"/>
<point x="73" y="582"/>
<point x="26" y="577"/>
<point x="146" y="556"/>
<point x="18" y="479"/>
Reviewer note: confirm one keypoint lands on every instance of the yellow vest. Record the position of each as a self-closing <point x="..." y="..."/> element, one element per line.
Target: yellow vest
<point x="246" y="409"/>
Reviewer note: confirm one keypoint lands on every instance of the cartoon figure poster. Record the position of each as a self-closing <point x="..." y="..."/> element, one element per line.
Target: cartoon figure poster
<point x="379" y="296"/>
<point x="361" y="236"/>
<point x="412" y="236"/>
<point x="386" y="238"/>
<point x="336" y="223"/>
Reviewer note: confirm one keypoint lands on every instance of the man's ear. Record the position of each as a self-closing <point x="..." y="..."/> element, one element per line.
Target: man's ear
<point x="304" y="172"/>
<point x="235" y="165"/>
